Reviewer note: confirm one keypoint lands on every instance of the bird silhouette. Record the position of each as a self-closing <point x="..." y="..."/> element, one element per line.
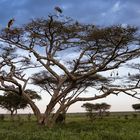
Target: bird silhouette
<point x="29" y="56"/>
<point x="58" y="9"/>
<point x="76" y="23"/>
<point x="10" y="23"/>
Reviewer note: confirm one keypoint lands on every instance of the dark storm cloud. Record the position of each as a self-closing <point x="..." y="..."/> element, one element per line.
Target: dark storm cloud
<point x="101" y="12"/>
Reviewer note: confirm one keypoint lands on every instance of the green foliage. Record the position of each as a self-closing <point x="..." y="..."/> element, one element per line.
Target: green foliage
<point x="89" y="109"/>
<point x="60" y="118"/>
<point x="12" y="101"/>
<point x="2" y="117"/>
<point x="135" y="115"/>
<point x="75" y="128"/>
<point x="96" y="109"/>
<point x="29" y="117"/>
<point x="126" y="117"/>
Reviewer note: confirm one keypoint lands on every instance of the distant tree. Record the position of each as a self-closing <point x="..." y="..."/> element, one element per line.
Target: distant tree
<point x="136" y="107"/>
<point x="96" y="109"/>
<point x="12" y="101"/>
<point x="101" y="108"/>
<point x="105" y="107"/>
<point x="89" y="109"/>
<point x="67" y="58"/>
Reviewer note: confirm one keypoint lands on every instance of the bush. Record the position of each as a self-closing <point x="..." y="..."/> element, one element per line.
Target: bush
<point x="135" y="116"/>
<point x="60" y="118"/>
<point x="2" y="117"/>
<point x="29" y="117"/>
<point x="19" y="118"/>
<point x="126" y="117"/>
<point x="107" y="113"/>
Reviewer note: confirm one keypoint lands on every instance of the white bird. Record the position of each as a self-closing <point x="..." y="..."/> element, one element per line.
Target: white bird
<point x="58" y="9"/>
<point x="10" y="23"/>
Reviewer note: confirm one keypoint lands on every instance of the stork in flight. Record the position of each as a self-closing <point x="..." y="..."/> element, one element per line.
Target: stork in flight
<point x="58" y="9"/>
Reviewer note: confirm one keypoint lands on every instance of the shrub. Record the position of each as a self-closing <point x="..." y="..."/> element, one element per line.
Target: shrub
<point x="60" y="118"/>
<point x="29" y="117"/>
<point x="126" y="117"/>
<point x="2" y="117"/>
<point x="135" y="115"/>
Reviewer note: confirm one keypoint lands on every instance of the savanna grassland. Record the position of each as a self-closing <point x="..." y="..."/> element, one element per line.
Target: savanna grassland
<point x="77" y="127"/>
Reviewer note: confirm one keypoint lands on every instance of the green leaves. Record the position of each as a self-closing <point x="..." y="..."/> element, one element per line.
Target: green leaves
<point x="13" y="101"/>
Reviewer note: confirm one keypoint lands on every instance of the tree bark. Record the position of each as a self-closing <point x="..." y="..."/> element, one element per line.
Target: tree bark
<point x="12" y="112"/>
<point x="35" y="109"/>
<point x="48" y="115"/>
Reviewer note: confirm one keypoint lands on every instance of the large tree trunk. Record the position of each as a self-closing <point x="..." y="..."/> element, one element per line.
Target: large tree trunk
<point x="59" y="114"/>
<point x="12" y="112"/>
<point x="49" y="118"/>
<point x="35" y="109"/>
<point x="37" y="113"/>
<point x="48" y="115"/>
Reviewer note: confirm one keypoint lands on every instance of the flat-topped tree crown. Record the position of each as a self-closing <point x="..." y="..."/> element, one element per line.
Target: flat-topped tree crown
<point x="13" y="101"/>
<point x="72" y="57"/>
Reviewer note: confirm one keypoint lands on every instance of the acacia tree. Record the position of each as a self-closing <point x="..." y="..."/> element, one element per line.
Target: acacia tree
<point x="105" y="107"/>
<point x="96" y="109"/>
<point x="101" y="108"/>
<point x="136" y="106"/>
<point x="71" y="57"/>
<point x="135" y="78"/>
<point x="89" y="109"/>
<point x="12" y="101"/>
<point x="12" y="76"/>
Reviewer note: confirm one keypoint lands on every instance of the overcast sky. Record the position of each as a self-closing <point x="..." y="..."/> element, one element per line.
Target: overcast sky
<point x="98" y="12"/>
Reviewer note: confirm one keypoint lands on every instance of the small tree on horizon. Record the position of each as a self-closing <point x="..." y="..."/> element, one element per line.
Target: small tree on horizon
<point x="105" y="107"/>
<point x="98" y="109"/>
<point x="136" y="107"/>
<point x="89" y="109"/>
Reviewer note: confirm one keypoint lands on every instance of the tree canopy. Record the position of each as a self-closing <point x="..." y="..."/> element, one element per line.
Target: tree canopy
<point x="136" y="106"/>
<point x="96" y="109"/>
<point x="12" y="101"/>
<point x="67" y="57"/>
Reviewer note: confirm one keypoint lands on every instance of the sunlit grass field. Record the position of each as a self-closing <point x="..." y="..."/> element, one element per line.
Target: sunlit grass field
<point x="77" y="127"/>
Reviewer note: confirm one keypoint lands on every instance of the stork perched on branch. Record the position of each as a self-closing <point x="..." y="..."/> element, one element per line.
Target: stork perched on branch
<point x="10" y="23"/>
